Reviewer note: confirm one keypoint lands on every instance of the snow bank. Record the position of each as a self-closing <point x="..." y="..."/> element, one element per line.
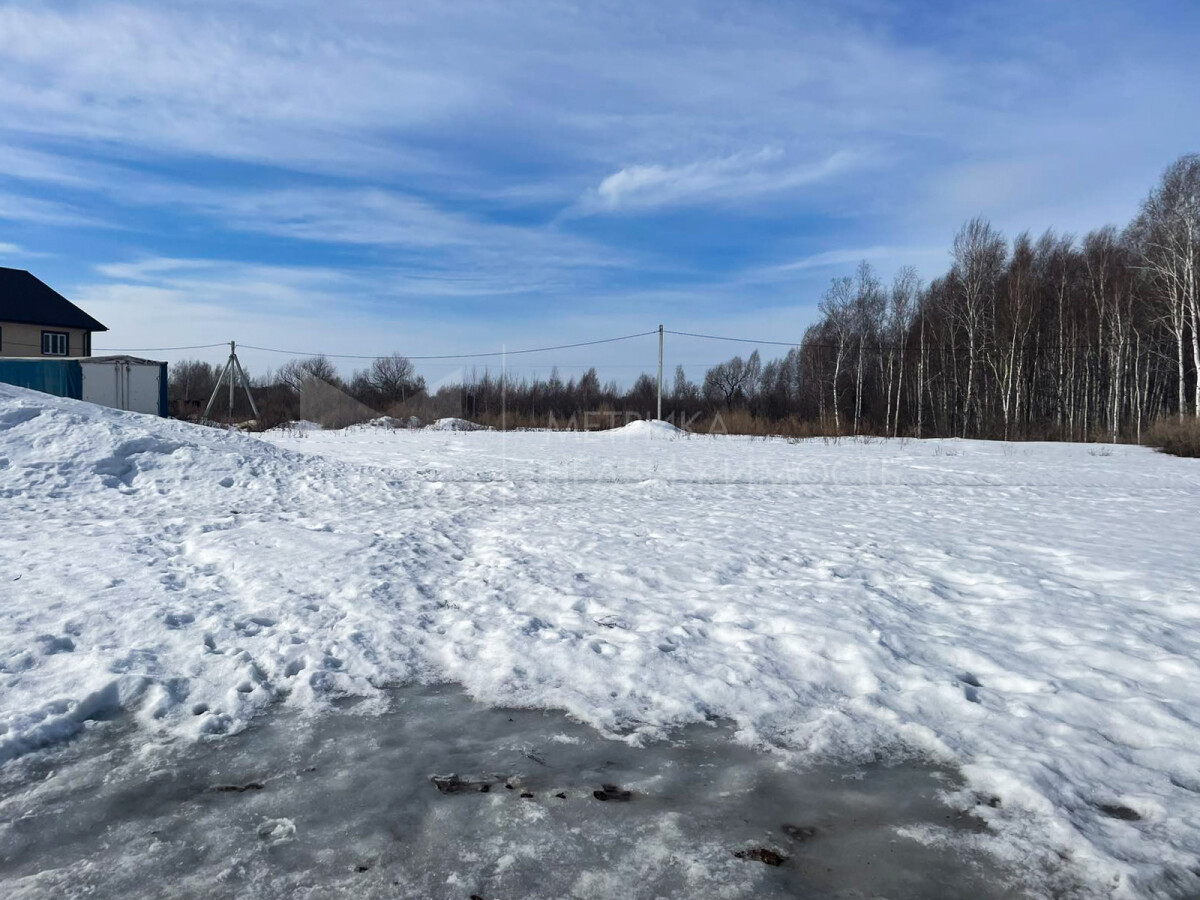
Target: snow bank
<point x="452" y="424"/>
<point x="647" y="429"/>
<point x="145" y="565"/>
<point x="1027" y="612"/>
<point x="392" y="422"/>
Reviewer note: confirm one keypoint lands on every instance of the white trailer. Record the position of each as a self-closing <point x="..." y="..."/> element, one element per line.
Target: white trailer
<point x="125" y="382"/>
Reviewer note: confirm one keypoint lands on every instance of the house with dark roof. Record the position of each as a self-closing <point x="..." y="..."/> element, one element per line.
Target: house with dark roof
<point x="36" y="320"/>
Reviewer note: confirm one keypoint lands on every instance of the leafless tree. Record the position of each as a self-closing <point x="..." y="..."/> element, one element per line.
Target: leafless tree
<point x="731" y="382"/>
<point x="867" y="311"/>
<point x="395" y="379"/>
<point x="1010" y="320"/>
<point x="1167" y="235"/>
<point x="901" y="309"/>
<point x="297" y="371"/>
<point x="979" y="253"/>
<point x="191" y="379"/>
<point x="837" y="306"/>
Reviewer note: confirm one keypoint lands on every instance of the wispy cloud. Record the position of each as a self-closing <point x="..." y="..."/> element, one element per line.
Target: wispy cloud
<point x="850" y="256"/>
<point x="428" y="250"/>
<point x="20" y="208"/>
<point x="15" y="252"/>
<point x="200" y="82"/>
<point x="740" y="175"/>
<point x="813" y="268"/>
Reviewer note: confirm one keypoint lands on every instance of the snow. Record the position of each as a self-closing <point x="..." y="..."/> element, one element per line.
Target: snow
<point x="650" y="429"/>
<point x="299" y="425"/>
<point x="1027" y="612"/>
<point x="452" y="424"/>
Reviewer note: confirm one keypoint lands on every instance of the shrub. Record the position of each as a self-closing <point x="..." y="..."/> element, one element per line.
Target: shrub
<point x="1179" y="437"/>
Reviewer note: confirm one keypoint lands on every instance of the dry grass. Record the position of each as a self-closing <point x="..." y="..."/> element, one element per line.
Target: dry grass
<point x="1179" y="437"/>
<point x="740" y="421"/>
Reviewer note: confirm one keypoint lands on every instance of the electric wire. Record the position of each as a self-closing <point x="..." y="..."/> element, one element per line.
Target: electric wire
<point x="157" y="349"/>
<point x="717" y="337"/>
<point x="492" y="353"/>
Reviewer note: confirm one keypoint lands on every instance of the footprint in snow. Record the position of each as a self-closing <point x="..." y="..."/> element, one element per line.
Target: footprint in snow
<point x="971" y="686"/>
<point x="254" y="625"/>
<point x="1119" y="811"/>
<point x="52" y="645"/>
<point x="178" y="620"/>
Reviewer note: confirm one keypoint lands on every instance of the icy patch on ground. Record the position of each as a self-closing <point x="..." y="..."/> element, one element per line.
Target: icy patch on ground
<point x="440" y="797"/>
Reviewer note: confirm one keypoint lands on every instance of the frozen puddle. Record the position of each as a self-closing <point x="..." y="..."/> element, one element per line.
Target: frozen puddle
<point x="346" y="805"/>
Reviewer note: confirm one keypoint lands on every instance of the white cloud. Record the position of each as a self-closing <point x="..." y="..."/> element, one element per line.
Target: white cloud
<point x="241" y="84"/>
<point x="429" y="250"/>
<point x="20" y="208"/>
<point x="10" y="250"/>
<point x="853" y="255"/>
<point x="741" y="175"/>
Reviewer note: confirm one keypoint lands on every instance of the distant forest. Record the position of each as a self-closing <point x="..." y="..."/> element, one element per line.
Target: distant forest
<point x="1052" y="337"/>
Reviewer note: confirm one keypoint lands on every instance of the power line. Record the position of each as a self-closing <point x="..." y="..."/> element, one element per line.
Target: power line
<point x="716" y="337"/>
<point x="492" y="353"/>
<point x="10" y="343"/>
<point x="158" y="349"/>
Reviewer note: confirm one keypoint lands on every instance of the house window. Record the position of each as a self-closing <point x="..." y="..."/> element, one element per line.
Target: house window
<point x="55" y="343"/>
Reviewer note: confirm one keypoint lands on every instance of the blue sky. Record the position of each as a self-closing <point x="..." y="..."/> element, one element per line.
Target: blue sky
<point x="430" y="178"/>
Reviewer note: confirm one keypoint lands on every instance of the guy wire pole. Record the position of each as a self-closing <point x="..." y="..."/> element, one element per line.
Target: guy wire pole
<point x="232" y="360"/>
<point x="233" y="369"/>
<point x="246" y="385"/>
<point x="217" y="388"/>
<point x="660" y="351"/>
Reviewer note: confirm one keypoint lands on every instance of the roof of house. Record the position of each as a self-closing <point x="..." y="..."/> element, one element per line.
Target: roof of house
<point x="27" y="299"/>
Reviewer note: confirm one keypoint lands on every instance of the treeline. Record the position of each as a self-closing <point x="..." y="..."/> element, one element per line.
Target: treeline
<point x="1049" y="337"/>
<point x="1046" y="337"/>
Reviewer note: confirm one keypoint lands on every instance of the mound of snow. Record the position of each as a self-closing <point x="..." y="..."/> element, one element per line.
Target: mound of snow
<point x="648" y="429"/>
<point x="455" y="424"/>
<point x="135" y="572"/>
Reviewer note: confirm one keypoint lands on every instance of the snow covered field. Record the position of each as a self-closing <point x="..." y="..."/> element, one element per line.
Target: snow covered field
<point x="1027" y="612"/>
